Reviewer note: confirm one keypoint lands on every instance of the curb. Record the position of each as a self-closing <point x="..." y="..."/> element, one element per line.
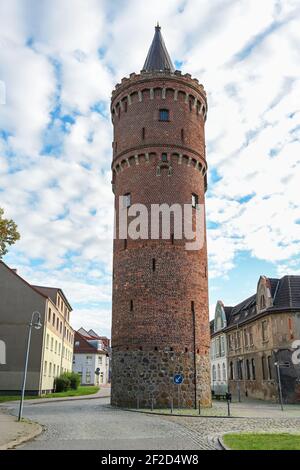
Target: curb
<point x="36" y="431"/>
<point x="58" y="400"/>
<point x="222" y="444"/>
<point x="52" y="400"/>
<point x="157" y="413"/>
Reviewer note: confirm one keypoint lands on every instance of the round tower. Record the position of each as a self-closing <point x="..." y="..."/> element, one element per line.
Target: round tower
<point x="160" y="323"/>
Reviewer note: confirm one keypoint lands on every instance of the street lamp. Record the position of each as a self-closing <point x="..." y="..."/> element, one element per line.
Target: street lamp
<point x="36" y="323"/>
<point x="277" y="365"/>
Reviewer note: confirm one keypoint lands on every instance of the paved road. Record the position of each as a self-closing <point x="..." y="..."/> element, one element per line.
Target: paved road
<point x="93" y="424"/>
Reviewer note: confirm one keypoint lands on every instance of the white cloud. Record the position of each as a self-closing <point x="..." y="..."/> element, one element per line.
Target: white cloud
<point x="60" y="60"/>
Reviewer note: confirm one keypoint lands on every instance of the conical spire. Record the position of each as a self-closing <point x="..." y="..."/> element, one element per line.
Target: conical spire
<point x="158" y="57"/>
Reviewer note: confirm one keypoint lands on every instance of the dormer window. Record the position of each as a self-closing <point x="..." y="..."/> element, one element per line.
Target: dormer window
<point x="164" y="115"/>
<point x="262" y="302"/>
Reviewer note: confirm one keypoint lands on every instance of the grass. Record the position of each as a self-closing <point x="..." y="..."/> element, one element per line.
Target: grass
<point x="253" y="441"/>
<point x="81" y="391"/>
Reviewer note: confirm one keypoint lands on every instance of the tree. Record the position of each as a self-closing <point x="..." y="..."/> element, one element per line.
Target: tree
<point x="8" y="233"/>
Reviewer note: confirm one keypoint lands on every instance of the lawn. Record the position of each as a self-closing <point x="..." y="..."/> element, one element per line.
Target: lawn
<point x="252" y="441"/>
<point x="81" y="391"/>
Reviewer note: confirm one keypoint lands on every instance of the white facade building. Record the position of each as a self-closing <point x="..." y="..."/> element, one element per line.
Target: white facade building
<point x="90" y="358"/>
<point x="218" y="352"/>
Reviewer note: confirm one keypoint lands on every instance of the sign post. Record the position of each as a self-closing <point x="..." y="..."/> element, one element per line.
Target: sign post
<point x="178" y="379"/>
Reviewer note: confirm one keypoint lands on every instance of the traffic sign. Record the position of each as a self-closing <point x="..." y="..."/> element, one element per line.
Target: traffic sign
<point x="178" y="379"/>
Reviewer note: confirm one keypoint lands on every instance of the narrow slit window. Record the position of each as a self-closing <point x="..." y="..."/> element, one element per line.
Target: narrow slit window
<point x="153" y="264"/>
<point x="182" y="135"/>
<point x="131" y="305"/>
<point x="143" y="133"/>
<point x="195" y="200"/>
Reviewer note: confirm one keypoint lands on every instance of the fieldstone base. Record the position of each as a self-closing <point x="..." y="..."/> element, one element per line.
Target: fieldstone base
<point x="142" y="377"/>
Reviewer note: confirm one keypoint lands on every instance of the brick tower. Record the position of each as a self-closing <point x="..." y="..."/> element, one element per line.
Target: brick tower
<point x="160" y="324"/>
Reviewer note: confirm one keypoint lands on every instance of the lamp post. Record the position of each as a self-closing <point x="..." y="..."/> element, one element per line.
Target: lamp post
<point x="36" y="323"/>
<point x="277" y="365"/>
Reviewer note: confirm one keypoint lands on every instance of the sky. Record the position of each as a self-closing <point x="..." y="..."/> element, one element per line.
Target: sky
<point x="60" y="60"/>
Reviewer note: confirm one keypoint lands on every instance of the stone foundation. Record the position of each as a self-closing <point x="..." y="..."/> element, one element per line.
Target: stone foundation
<point x="138" y="377"/>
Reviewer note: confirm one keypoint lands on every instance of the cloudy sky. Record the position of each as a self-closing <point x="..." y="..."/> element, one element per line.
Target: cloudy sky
<point x="60" y="59"/>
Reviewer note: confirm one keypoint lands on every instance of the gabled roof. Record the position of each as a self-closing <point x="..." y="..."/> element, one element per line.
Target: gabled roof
<point x="51" y="292"/>
<point x="158" y="58"/>
<point x="85" y="346"/>
<point x="14" y="272"/>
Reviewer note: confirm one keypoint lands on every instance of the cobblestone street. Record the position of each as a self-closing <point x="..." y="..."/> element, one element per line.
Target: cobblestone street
<point x="93" y="424"/>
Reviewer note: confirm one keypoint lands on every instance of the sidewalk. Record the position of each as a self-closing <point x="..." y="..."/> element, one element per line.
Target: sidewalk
<point x="13" y="433"/>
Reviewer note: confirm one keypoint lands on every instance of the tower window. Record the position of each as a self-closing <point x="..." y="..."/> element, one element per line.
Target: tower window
<point x="153" y="264"/>
<point x="172" y="238"/>
<point x="193" y="306"/>
<point x="125" y="243"/>
<point x="131" y="305"/>
<point x="127" y="200"/>
<point x="195" y="200"/>
<point x="164" y="157"/>
<point x="182" y="135"/>
<point x="164" y="115"/>
<point x="125" y="106"/>
<point x="143" y="133"/>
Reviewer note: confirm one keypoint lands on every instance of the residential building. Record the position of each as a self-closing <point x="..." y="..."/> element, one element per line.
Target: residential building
<point x="91" y="357"/>
<point x="218" y="351"/>
<point x="51" y="349"/>
<point x="262" y="332"/>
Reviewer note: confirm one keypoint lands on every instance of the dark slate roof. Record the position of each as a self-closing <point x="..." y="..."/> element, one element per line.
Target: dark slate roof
<point x="288" y="293"/>
<point x="158" y="57"/>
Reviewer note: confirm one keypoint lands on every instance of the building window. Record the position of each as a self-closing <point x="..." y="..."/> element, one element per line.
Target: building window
<point x="57" y="323"/>
<point x="214" y="373"/>
<point x="49" y="315"/>
<point x="231" y="373"/>
<point x="164" y="115"/>
<point x="253" y="369"/>
<point x="89" y="360"/>
<point x="51" y="344"/>
<point x="53" y="319"/>
<point x="131" y="305"/>
<point x="250" y="337"/>
<point x="100" y="360"/>
<point x="263" y="367"/>
<point x="246" y="338"/>
<point x="240" y="369"/>
<point x="50" y="369"/>
<point x="262" y="302"/>
<point x="219" y="372"/>
<point x="164" y="157"/>
<point x="248" y="376"/>
<point x="270" y="367"/>
<point x="47" y="341"/>
<point x="264" y="330"/>
<point x="45" y="368"/>
<point x="125" y="106"/>
<point x="195" y="200"/>
<point x="127" y="200"/>
<point x="224" y="371"/>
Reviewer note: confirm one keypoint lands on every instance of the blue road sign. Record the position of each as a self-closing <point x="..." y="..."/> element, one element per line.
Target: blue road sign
<point x="178" y="379"/>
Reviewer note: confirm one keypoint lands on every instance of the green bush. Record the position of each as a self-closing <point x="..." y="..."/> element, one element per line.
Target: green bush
<point x="67" y="381"/>
<point x="62" y="383"/>
<point x="74" y="380"/>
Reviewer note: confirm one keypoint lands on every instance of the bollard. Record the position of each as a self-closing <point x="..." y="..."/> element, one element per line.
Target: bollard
<point x="228" y="407"/>
<point x="199" y="407"/>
